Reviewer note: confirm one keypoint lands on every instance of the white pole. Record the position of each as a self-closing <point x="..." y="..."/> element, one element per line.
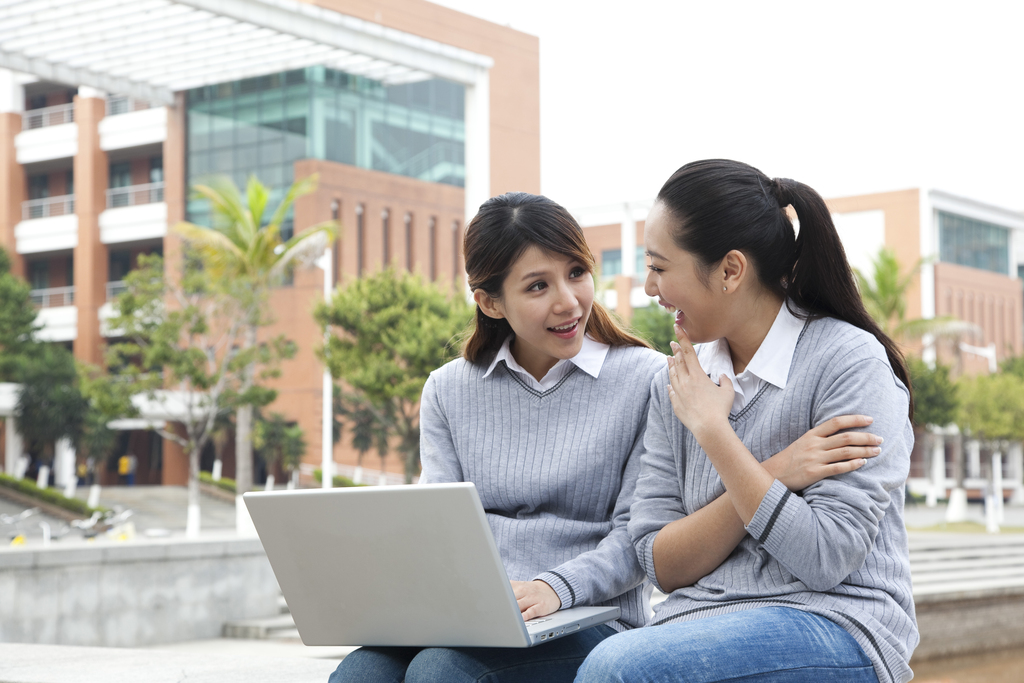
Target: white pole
<point x="937" y="489"/>
<point x="997" y="485"/>
<point x="327" y="446"/>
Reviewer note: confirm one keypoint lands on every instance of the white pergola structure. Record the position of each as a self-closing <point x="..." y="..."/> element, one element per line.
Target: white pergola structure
<point x="150" y="49"/>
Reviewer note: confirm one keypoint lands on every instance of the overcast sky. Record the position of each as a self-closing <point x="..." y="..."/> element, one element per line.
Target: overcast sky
<point x="847" y="97"/>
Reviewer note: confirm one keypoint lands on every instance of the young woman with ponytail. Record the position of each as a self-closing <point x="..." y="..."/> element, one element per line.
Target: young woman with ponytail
<point x="764" y="585"/>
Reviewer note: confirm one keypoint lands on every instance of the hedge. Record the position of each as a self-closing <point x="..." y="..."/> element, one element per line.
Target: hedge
<point x="51" y="496"/>
<point x="223" y="483"/>
<point x="339" y="481"/>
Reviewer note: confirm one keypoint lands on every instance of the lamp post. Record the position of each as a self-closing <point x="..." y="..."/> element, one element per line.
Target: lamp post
<point x="327" y="452"/>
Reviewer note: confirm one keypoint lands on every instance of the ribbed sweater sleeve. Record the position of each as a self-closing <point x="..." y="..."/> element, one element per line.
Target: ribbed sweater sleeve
<point x="658" y="501"/>
<point x="438" y="458"/>
<point x="827" y="533"/>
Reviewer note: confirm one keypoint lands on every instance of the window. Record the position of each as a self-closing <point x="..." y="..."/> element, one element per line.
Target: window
<point x="39" y="274"/>
<point x="156" y="169"/>
<point x="385" y="236"/>
<point x="38" y="186"/>
<point x="973" y="243"/>
<point x="408" y="241"/>
<point x="360" y="240"/>
<point x="69" y="182"/>
<point x="120" y="265"/>
<point x="611" y="262"/>
<point x="433" y="248"/>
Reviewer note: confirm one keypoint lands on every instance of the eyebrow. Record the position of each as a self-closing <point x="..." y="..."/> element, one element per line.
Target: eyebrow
<point x="655" y="255"/>
<point x="539" y="273"/>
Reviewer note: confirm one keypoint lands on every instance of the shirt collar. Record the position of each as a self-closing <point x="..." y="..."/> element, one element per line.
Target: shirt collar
<point x="590" y="358"/>
<point x="771" y="361"/>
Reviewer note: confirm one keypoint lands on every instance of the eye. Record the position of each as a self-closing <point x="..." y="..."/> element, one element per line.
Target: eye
<point x="537" y="286"/>
<point x="578" y="271"/>
<point x="654" y="269"/>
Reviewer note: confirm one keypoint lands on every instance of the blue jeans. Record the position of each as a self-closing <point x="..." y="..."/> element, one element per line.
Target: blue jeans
<point x="547" y="663"/>
<point x="766" y="645"/>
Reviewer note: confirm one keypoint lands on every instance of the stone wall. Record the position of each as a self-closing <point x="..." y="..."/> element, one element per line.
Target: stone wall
<point x="132" y="594"/>
<point x="970" y="622"/>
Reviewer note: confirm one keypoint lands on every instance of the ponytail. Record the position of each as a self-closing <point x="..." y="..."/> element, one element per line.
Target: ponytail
<point x="822" y="280"/>
<point x="721" y="205"/>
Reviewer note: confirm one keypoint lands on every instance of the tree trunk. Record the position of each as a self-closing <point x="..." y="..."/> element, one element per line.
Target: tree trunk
<point x="243" y="449"/>
<point x="243" y="425"/>
<point x="192" y="521"/>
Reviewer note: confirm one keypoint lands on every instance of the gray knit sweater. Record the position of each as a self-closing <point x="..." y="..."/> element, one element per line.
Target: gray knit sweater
<point x="555" y="470"/>
<point x="838" y="548"/>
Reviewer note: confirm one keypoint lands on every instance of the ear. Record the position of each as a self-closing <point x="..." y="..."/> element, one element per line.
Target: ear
<point x="734" y="270"/>
<point x="490" y="306"/>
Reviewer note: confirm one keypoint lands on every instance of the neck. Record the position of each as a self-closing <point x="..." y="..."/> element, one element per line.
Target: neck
<point x="537" y="367"/>
<point x="756" y="319"/>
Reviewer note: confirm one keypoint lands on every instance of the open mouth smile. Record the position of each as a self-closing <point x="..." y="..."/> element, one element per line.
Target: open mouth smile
<point x="566" y="331"/>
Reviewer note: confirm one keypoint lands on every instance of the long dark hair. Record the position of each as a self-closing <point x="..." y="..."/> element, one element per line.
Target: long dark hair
<point x="504" y="228"/>
<point x="721" y="205"/>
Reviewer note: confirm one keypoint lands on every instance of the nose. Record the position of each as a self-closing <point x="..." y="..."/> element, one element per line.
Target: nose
<point x="566" y="299"/>
<point x="650" y="289"/>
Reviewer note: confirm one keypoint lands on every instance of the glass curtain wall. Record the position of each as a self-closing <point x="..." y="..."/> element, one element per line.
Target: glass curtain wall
<point x="977" y="244"/>
<point x="261" y="126"/>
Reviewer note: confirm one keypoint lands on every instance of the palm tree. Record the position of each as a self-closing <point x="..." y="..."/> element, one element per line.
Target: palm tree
<point x="246" y="246"/>
<point x="885" y="297"/>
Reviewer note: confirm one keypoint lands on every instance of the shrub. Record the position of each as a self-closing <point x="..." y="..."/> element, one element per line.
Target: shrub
<point x="223" y="483"/>
<point x="51" y="496"/>
<point x="339" y="481"/>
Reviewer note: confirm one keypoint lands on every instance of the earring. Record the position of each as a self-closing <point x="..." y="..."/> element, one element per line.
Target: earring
<point x="725" y="289"/>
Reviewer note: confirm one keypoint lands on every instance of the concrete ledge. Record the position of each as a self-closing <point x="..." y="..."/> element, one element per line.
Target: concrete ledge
<point x="133" y="594"/>
<point x="61" y="664"/>
<point x="969" y="623"/>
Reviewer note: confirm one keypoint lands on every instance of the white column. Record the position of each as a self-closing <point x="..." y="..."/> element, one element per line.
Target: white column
<point x="478" y="143"/>
<point x="12" y="447"/>
<point x="628" y="239"/>
<point x="937" y="489"/>
<point x="1017" y="472"/>
<point x="12" y="93"/>
<point x="997" y="485"/>
<point x="86" y="91"/>
<point x="973" y="459"/>
<point x="327" y="398"/>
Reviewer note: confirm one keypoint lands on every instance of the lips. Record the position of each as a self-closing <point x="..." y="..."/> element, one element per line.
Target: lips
<point x="566" y="331"/>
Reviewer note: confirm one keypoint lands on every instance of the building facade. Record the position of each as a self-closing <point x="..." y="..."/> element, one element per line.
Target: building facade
<point x="412" y="114"/>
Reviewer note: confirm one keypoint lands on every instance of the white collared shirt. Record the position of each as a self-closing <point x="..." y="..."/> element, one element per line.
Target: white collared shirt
<point x="589" y="359"/>
<point x="770" y="363"/>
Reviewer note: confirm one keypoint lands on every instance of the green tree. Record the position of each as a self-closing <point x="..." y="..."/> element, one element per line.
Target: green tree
<point x="278" y="440"/>
<point x="245" y="245"/>
<point x="180" y="350"/>
<point x="935" y="395"/>
<point x="393" y="330"/>
<point x="657" y="325"/>
<point x="885" y="297"/>
<point x="1013" y="365"/>
<point x="992" y="407"/>
<point x="369" y="426"/>
<point x="17" y="321"/>
<point x="50" y="405"/>
<point x="107" y="399"/>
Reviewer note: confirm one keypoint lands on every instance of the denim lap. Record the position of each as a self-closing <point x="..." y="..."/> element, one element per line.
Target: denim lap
<point x="766" y="645"/>
<point x="552" y="662"/>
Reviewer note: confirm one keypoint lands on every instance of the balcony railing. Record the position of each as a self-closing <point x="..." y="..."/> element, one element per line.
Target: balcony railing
<point x="114" y="288"/>
<point x="63" y="205"/>
<point x="122" y="104"/>
<point x="132" y="195"/>
<point x="53" y="296"/>
<point x="48" y="116"/>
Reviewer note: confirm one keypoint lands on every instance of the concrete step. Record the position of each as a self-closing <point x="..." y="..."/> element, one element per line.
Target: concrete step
<point x="265" y="628"/>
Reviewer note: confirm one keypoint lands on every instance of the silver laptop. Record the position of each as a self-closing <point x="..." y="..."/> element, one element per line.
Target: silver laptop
<point x="398" y="565"/>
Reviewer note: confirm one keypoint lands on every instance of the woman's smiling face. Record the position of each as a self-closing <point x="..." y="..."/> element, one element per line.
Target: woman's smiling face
<point x="673" y="277"/>
<point x="546" y="299"/>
